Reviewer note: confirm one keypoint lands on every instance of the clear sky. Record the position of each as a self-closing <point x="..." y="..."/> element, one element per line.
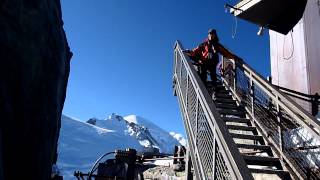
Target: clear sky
<point x="123" y="53"/>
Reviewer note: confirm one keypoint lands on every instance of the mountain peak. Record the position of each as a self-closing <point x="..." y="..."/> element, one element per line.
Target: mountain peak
<point x="115" y="116"/>
<point x="133" y="118"/>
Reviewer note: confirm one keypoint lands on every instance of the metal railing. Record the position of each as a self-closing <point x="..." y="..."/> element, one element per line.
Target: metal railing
<point x="309" y="102"/>
<point x="213" y="152"/>
<point x="293" y="133"/>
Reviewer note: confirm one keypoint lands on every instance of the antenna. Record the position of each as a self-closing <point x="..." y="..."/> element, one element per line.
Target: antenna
<point x="261" y="31"/>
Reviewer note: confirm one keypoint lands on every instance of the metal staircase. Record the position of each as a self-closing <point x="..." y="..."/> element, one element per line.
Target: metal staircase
<point x="244" y="128"/>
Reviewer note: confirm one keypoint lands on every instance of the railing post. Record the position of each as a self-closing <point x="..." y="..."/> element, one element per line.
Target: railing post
<point x="175" y="62"/>
<point x="234" y="76"/>
<point x="269" y="79"/>
<point x="188" y="165"/>
<point x="252" y="94"/>
<point x="279" y="126"/>
<point x="197" y="110"/>
<point x="315" y="104"/>
<point x="214" y="156"/>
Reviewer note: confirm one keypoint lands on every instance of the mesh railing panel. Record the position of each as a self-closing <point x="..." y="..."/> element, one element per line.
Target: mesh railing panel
<point x="299" y="147"/>
<point x="192" y="107"/>
<point x="184" y="80"/>
<point x="177" y="66"/>
<point x="243" y="87"/>
<point x="221" y="171"/>
<point x="205" y="141"/>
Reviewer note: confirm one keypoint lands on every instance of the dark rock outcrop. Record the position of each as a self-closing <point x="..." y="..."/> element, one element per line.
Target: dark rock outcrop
<point x="92" y="121"/>
<point x="34" y="70"/>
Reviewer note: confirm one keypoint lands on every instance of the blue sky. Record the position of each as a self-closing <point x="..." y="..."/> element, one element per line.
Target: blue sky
<point x="123" y="53"/>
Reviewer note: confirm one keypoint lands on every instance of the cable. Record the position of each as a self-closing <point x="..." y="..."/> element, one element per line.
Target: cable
<point x="292" y="51"/>
<point x="94" y="168"/>
<point x="234" y="30"/>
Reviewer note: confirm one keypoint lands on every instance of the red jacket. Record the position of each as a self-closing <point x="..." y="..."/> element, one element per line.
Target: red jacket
<point x="207" y="51"/>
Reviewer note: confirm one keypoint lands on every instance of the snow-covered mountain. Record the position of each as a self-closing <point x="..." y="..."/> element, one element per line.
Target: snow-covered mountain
<point x="179" y="137"/>
<point x="81" y="143"/>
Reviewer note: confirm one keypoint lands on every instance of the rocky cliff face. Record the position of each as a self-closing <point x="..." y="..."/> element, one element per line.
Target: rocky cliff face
<point x="34" y="70"/>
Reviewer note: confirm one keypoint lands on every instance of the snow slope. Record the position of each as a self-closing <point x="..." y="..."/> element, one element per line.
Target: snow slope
<point x="81" y="143"/>
<point x="164" y="140"/>
<point x="179" y="137"/>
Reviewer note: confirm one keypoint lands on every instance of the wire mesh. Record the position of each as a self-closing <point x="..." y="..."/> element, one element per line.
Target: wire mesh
<point x="178" y="66"/>
<point x="298" y="145"/>
<point x="184" y="80"/>
<point x="221" y="171"/>
<point x="205" y="141"/>
<point x="243" y="87"/>
<point x="293" y="139"/>
<point x="192" y="107"/>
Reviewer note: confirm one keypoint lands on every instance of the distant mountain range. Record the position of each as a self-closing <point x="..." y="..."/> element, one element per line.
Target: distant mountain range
<point x="81" y="143"/>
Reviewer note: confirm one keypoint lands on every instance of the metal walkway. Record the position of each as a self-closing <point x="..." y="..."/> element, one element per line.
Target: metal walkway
<point x="245" y="128"/>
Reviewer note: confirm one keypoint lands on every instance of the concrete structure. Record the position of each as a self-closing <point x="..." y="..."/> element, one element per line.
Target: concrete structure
<point x="295" y="57"/>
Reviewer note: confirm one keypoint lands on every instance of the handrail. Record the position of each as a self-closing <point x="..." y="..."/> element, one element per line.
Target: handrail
<point x="285" y="100"/>
<point x="280" y="118"/>
<point x="286" y="90"/>
<point x="212" y="149"/>
<point x="312" y="100"/>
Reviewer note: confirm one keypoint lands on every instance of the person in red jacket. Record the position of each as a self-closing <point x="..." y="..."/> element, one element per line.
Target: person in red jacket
<point x="206" y="55"/>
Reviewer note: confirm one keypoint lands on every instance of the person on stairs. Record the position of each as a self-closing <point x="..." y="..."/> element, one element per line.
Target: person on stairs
<point x="206" y="55"/>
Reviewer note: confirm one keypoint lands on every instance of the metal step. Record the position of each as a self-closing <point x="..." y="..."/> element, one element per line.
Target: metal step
<point x="261" y="160"/>
<point x="246" y="136"/>
<point x="253" y="146"/>
<point x="281" y="173"/>
<point x="222" y="91"/>
<point x="225" y="103"/>
<point x="226" y="106"/>
<point x="223" y="100"/>
<point x="223" y="95"/>
<point x="220" y="86"/>
<point x="243" y="128"/>
<point x="236" y="120"/>
<point x="231" y="112"/>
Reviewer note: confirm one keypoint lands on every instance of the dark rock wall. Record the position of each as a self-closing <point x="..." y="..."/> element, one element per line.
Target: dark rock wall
<point x="34" y="70"/>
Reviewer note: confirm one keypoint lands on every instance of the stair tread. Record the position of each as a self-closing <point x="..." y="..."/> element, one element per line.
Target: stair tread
<point x="238" y="120"/>
<point x="222" y="95"/>
<point x="222" y="91"/>
<point x="253" y="146"/>
<point x="285" y="175"/>
<point x="269" y="171"/>
<point x="226" y="106"/>
<point x="244" y="128"/>
<point x="223" y="100"/>
<point x="246" y="136"/>
<point x="260" y="158"/>
<point x="230" y="112"/>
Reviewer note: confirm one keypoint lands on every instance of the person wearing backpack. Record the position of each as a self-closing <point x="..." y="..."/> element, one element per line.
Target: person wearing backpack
<point x="206" y="55"/>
